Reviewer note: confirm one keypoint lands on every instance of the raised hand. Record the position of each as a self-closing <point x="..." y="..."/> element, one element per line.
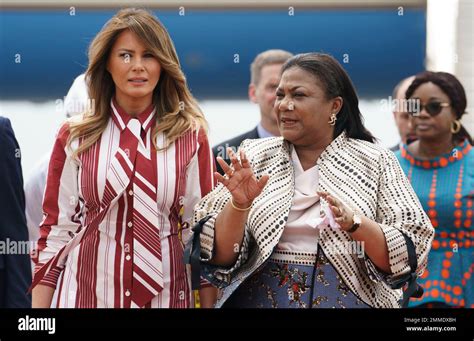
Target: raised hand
<point x="240" y="179"/>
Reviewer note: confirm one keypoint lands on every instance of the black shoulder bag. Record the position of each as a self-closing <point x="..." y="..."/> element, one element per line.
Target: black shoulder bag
<point x="192" y="254"/>
<point x="413" y="289"/>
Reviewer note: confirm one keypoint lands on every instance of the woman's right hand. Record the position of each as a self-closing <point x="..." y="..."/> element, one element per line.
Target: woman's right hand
<point x="240" y="179"/>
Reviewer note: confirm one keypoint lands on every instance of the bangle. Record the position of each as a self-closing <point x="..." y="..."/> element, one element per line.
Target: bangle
<point x="237" y="208"/>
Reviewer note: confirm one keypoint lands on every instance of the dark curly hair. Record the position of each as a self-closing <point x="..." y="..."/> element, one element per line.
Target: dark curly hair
<point x="453" y="88"/>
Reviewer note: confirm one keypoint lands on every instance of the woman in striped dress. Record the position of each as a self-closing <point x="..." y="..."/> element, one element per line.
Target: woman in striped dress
<point x="123" y="178"/>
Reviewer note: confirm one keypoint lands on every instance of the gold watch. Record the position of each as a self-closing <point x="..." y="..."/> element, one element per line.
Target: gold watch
<point x="356" y="223"/>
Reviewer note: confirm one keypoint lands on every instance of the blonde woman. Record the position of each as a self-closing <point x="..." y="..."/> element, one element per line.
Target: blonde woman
<point x="124" y="177"/>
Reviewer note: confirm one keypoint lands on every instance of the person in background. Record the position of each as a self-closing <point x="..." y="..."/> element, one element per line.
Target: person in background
<point x="15" y="270"/>
<point x="77" y="99"/>
<point x="75" y="103"/>
<point x="440" y="167"/>
<point x="264" y="78"/>
<point x="400" y="115"/>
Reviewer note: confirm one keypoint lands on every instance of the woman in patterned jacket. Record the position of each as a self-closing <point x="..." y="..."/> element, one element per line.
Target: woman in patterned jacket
<point x="320" y="217"/>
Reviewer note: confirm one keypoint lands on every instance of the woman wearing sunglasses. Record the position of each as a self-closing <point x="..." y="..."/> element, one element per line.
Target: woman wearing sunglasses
<point x="440" y="167"/>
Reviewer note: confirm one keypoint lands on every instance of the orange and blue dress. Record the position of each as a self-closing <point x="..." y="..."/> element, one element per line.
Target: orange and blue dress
<point x="445" y="187"/>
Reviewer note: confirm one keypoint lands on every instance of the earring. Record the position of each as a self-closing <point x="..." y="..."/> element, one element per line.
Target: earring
<point x="333" y="119"/>
<point x="455" y="127"/>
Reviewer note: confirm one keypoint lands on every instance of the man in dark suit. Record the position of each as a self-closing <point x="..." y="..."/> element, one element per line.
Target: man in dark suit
<point x="15" y="266"/>
<point x="264" y="79"/>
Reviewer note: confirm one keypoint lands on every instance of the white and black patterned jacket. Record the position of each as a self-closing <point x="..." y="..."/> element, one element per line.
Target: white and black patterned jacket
<point x="367" y="177"/>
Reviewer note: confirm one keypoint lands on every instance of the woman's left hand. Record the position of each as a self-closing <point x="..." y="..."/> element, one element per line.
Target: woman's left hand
<point x="343" y="215"/>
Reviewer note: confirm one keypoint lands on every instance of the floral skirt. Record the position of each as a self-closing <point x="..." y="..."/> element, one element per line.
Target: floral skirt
<point x="295" y="280"/>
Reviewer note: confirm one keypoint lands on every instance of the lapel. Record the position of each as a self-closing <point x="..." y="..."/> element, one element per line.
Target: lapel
<point x="253" y="134"/>
<point x="270" y="210"/>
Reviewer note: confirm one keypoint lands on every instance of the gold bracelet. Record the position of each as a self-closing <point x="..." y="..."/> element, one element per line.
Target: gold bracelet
<point x="237" y="208"/>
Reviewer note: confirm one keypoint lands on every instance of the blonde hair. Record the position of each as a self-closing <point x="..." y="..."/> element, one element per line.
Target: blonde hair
<point x="265" y="58"/>
<point x="177" y="109"/>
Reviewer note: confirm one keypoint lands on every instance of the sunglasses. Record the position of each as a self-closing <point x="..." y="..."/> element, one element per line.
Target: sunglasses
<point x="432" y="108"/>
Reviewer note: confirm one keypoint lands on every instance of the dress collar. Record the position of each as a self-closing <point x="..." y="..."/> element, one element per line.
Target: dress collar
<point x="442" y="161"/>
<point x="121" y="118"/>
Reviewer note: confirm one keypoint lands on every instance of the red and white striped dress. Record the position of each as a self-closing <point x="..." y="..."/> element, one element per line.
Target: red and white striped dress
<point x="96" y="272"/>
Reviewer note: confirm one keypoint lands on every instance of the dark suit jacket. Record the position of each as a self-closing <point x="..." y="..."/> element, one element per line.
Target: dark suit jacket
<point x="15" y="268"/>
<point x="234" y="143"/>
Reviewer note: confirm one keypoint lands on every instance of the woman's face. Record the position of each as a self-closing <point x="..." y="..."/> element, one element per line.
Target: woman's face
<point x="432" y="127"/>
<point x="135" y="71"/>
<point x="302" y="109"/>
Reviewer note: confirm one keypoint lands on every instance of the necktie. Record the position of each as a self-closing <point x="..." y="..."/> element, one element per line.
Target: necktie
<point x="132" y="165"/>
